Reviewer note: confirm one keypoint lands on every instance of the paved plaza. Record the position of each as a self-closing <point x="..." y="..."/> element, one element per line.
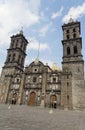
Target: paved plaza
<point x="37" y="118"/>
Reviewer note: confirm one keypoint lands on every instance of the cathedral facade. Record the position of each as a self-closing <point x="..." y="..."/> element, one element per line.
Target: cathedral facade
<point x="40" y="85"/>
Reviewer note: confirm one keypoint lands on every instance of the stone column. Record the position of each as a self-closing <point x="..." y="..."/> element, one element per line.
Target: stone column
<point x="44" y="83"/>
<point x="63" y="91"/>
<point x="21" y="89"/>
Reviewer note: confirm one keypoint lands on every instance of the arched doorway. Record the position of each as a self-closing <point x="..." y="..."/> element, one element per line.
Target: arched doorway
<point x="53" y="101"/>
<point x="14" y="98"/>
<point x="32" y="99"/>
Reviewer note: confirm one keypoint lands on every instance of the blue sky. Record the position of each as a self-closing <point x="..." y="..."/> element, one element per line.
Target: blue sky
<point x="42" y="22"/>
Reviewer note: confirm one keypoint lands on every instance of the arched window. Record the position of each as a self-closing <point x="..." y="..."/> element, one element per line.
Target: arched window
<point x="68" y="50"/>
<point x="9" y="57"/>
<point x="13" y="59"/>
<point x="75" y="50"/>
<point x="34" y="79"/>
<point x="74" y="30"/>
<point x="67" y="31"/>
<point x="74" y="35"/>
<point x="67" y="36"/>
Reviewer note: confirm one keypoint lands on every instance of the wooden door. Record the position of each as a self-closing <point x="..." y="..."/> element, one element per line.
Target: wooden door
<point x="53" y="99"/>
<point x="14" y="98"/>
<point x="32" y="99"/>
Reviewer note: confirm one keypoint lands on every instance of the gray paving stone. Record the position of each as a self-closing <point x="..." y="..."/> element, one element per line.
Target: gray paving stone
<point x="36" y="118"/>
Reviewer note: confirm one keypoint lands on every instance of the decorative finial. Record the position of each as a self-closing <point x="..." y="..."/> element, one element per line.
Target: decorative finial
<point x="70" y="19"/>
<point x="36" y="61"/>
<point x="21" y="31"/>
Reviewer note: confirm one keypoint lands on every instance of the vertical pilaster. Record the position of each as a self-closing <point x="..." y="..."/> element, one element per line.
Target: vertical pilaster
<point x="21" y="89"/>
<point x="44" y="83"/>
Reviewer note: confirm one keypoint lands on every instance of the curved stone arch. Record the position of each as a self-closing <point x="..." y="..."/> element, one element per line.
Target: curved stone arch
<point x="14" y="97"/>
<point x="53" y="100"/>
<point x="32" y="98"/>
<point x="75" y="49"/>
<point x="68" y="50"/>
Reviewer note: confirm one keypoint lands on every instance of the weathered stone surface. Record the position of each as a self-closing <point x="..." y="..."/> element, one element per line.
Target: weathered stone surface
<point x="78" y="92"/>
<point x="40" y="85"/>
<point x="36" y="118"/>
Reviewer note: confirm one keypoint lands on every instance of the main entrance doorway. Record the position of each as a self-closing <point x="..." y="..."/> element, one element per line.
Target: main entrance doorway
<point x="14" y="98"/>
<point x="53" y="101"/>
<point x="32" y="99"/>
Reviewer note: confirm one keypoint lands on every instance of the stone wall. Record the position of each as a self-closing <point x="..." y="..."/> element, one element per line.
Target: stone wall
<point x="78" y="94"/>
<point x="4" y="88"/>
<point x="76" y="68"/>
<point x="66" y="90"/>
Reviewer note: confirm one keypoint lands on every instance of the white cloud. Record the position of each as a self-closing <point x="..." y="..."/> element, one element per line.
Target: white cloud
<point x="45" y="29"/>
<point x="17" y="13"/>
<point x="75" y="12"/>
<point x="34" y="44"/>
<point x="43" y="60"/>
<point x="47" y="62"/>
<point x="42" y="14"/>
<point x="43" y="17"/>
<point x="56" y="14"/>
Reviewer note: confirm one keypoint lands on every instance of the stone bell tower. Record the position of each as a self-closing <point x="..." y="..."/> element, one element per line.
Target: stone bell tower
<point x="72" y="65"/>
<point x="16" y="53"/>
<point x="14" y="64"/>
<point x="72" y="49"/>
